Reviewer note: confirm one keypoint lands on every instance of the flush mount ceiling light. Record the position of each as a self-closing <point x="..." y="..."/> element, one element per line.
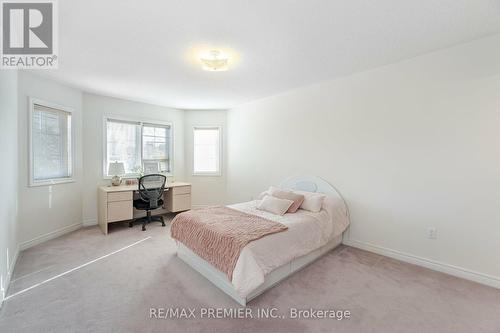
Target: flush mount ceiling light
<point x="213" y="58"/>
<point x="215" y="61"/>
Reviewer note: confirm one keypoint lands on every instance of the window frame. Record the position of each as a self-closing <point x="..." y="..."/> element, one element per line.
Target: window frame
<point x="71" y="160"/>
<point x="208" y="174"/>
<point x="141" y="121"/>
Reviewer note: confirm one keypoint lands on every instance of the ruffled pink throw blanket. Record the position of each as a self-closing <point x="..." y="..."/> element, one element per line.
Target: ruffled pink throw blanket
<point x="218" y="234"/>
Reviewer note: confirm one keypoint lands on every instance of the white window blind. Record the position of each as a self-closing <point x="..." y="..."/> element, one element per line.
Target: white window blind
<point x="155" y="147"/>
<point x="206" y="151"/>
<point x="123" y="144"/>
<point x="139" y="146"/>
<point x="50" y="144"/>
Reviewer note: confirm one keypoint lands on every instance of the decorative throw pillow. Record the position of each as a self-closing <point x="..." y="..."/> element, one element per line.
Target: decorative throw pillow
<point x="274" y="205"/>
<point x="312" y="201"/>
<point x="297" y="199"/>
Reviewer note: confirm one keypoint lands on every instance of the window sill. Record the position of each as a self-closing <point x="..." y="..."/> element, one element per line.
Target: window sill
<point x="198" y="174"/>
<point x="51" y="182"/>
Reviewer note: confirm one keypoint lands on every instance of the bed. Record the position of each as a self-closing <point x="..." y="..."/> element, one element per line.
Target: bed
<point x="308" y="237"/>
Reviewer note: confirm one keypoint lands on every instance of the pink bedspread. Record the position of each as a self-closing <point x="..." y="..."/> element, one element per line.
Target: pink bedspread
<point x="218" y="234"/>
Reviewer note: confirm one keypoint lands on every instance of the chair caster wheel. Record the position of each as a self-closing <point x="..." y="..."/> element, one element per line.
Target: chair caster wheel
<point x="130" y="225"/>
<point x="143" y="228"/>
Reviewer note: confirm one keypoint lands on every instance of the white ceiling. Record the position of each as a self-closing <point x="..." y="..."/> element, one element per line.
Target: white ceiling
<point x="138" y="50"/>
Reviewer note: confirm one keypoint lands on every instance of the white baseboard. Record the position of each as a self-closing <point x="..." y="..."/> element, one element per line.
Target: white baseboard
<point x="89" y="222"/>
<point x="10" y="272"/>
<point x="460" y="272"/>
<point x="53" y="234"/>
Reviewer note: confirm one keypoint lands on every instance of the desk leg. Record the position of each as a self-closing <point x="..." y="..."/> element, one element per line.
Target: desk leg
<point x="104" y="228"/>
<point x="102" y="211"/>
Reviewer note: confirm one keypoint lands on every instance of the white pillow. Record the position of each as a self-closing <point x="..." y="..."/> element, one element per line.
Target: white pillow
<point x="312" y="201"/>
<point x="274" y="205"/>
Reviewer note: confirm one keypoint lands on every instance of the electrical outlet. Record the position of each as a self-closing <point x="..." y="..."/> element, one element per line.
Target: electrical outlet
<point x="431" y="233"/>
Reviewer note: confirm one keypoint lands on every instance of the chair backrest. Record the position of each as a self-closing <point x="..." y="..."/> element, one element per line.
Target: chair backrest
<point x="151" y="188"/>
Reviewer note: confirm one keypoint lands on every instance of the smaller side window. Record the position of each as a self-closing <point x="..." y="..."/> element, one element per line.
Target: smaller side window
<point x="207" y="151"/>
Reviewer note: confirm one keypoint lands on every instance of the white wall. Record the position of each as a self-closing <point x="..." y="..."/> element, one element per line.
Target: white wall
<point x="206" y="190"/>
<point x="95" y="108"/>
<point x="8" y="170"/>
<point x="410" y="145"/>
<point x="46" y="211"/>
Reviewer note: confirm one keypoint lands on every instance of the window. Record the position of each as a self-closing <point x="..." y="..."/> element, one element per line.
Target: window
<point x="141" y="147"/>
<point x="50" y="144"/>
<point x="206" y="151"/>
<point x="155" y="144"/>
<point x="123" y="144"/>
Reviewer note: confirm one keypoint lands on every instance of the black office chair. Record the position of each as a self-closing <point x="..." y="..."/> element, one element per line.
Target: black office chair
<point x="151" y="188"/>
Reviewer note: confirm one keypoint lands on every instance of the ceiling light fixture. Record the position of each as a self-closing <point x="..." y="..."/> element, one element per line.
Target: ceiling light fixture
<point x="216" y="62"/>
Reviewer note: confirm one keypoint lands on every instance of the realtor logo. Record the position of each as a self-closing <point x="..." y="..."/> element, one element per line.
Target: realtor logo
<point x="29" y="34"/>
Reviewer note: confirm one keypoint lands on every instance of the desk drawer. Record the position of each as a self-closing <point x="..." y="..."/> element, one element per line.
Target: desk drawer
<point x="120" y="196"/>
<point x="181" y="190"/>
<point x="120" y="211"/>
<point x="181" y="202"/>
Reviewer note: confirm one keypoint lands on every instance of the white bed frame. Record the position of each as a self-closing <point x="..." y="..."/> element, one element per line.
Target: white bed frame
<point x="308" y="183"/>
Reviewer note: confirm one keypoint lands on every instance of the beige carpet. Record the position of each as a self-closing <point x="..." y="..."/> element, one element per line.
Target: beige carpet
<point x="116" y="293"/>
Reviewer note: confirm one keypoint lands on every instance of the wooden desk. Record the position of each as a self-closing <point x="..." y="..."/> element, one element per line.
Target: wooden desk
<point x="116" y="203"/>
